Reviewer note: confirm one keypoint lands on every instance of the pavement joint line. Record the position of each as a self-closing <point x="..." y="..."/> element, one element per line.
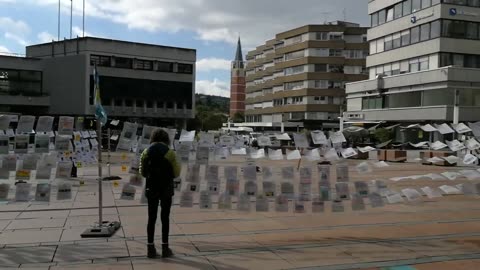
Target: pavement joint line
<point x="365" y="265"/>
<point x="251" y="233"/>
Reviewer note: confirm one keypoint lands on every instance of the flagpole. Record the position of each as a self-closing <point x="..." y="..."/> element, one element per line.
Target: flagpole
<point x="58" y="38"/>
<point x="83" y="19"/>
<point x="100" y="191"/>
<point x="71" y="17"/>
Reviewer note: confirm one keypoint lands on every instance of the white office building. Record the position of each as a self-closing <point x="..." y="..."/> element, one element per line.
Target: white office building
<point x="424" y="63"/>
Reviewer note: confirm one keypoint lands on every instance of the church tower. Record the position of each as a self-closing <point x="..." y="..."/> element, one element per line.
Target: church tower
<point x="237" y="85"/>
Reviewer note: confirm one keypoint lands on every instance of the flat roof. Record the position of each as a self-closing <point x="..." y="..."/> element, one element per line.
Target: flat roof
<point x="112" y="40"/>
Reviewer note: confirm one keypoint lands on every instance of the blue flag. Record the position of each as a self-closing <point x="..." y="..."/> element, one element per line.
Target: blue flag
<point x="100" y="113"/>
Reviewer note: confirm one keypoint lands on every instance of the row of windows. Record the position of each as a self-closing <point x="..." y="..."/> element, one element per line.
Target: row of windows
<point x="445" y="97"/>
<point x="427" y="31"/>
<point x="405" y="66"/>
<point x="459" y="60"/>
<point x="122" y="62"/>
<point x="139" y="103"/>
<point x="410" y="6"/>
<point x="399" y="10"/>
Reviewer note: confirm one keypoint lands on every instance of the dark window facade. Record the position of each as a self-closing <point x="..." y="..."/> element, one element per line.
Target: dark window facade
<point x="138" y="89"/>
<point x="165" y="67"/>
<point x="21" y="82"/>
<point x="100" y="60"/>
<point x="143" y="64"/>
<point x="122" y="62"/>
<point x="185" y="68"/>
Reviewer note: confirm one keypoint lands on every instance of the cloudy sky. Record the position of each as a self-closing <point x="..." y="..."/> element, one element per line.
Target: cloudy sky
<point x="210" y="26"/>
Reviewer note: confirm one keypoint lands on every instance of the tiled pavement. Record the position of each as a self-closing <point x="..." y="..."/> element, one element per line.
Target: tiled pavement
<point x="434" y="234"/>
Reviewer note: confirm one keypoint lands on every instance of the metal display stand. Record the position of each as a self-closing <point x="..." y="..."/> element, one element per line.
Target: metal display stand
<point x="102" y="228"/>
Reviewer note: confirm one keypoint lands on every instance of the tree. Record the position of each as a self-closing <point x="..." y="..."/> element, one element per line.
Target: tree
<point x="238" y="117"/>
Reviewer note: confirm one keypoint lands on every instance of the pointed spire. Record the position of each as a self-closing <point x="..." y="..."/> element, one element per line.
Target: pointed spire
<point x="238" y="54"/>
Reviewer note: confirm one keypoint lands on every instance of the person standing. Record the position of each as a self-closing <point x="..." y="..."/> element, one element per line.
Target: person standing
<point x="158" y="164"/>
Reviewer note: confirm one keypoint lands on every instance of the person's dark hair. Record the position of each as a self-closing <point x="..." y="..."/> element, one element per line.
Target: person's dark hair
<point x="160" y="135"/>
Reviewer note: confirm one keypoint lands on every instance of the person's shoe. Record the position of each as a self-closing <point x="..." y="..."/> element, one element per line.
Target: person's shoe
<point x="151" y="251"/>
<point x="166" y="251"/>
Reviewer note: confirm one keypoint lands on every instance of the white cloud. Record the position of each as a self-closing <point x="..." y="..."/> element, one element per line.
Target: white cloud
<point x="77" y="31"/>
<point x="45" y="37"/>
<point x="209" y="64"/>
<point x="16" y="38"/>
<point x="215" y="88"/>
<point x="19" y="27"/>
<point x="219" y="20"/>
<point x="4" y="50"/>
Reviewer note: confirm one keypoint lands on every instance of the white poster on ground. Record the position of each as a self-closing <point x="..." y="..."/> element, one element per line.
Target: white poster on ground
<point x="318" y="137"/>
<point x="64" y="191"/>
<point x="275" y="154"/>
<point x="225" y="202"/>
<point x="281" y="203"/>
<point x="65" y="125"/>
<point x="187" y="136"/>
<point x="21" y="144"/>
<point x="300" y="140"/>
<point x="42" y="143"/>
<point x="44" y="124"/>
<point x="22" y="192"/>
<point x="42" y="193"/>
<point x="25" y="124"/>
<point x="128" y="192"/>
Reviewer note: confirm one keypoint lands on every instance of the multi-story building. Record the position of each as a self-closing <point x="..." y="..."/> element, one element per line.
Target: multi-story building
<point x="139" y="82"/>
<point x="298" y="78"/>
<point x="424" y="63"/>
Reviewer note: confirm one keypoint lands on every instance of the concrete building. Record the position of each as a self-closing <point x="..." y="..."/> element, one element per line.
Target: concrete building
<point x="138" y="82"/>
<point x="424" y="59"/>
<point x="297" y="79"/>
<point x="237" y="83"/>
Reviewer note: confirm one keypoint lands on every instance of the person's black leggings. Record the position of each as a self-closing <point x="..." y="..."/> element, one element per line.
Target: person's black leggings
<point x="165" y="204"/>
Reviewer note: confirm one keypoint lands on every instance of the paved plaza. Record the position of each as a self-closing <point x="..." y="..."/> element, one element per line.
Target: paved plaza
<point x="441" y="233"/>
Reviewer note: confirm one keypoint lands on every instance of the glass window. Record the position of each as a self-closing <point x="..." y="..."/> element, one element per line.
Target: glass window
<point x="472" y="61"/>
<point x="407" y="7"/>
<point x="405" y="38"/>
<point x="446" y="59"/>
<point x="435" y="29"/>
<point x="415" y="35"/>
<point x="100" y="60"/>
<point x="380" y="45"/>
<point x="458" y="60"/>
<point x="472" y="30"/>
<point x="143" y="64"/>
<point x="426" y="3"/>
<point x="425" y="32"/>
<point x="379" y="70"/>
<point x="320" y="67"/>
<point x="185" y="68"/>
<point x="387" y="70"/>
<point x="424" y="63"/>
<point x="396" y="40"/>
<point x="389" y="14"/>
<point x="395" y="68"/>
<point x="373" y="47"/>
<point x="454" y="29"/>
<point x="388" y="43"/>
<point x="416" y="5"/>
<point x="374" y="18"/>
<point x="381" y="17"/>
<point x="413" y="64"/>
<point x="398" y="10"/>
<point x="165" y="67"/>
<point x="121" y="62"/>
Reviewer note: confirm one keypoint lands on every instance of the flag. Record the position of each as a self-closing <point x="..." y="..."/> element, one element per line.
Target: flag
<point x="100" y="113"/>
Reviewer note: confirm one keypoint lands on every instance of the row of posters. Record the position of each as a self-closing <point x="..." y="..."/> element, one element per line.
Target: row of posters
<point x="25" y="192"/>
